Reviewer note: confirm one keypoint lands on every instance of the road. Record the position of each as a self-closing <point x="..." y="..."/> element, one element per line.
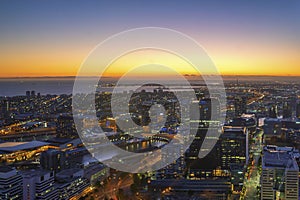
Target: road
<point x="111" y="188"/>
<point x="252" y="180"/>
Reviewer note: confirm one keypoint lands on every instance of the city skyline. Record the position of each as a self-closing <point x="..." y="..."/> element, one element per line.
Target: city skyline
<point x="149" y="100"/>
<point x="260" y="137"/>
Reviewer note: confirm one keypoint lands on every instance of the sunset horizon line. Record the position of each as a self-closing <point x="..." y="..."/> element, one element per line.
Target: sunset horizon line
<point x="118" y="76"/>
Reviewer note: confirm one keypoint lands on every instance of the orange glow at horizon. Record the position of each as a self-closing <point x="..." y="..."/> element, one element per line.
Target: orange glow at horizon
<point x="66" y="62"/>
<point x="149" y="62"/>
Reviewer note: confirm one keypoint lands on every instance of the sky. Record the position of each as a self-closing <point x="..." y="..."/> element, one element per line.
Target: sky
<point x="52" y="38"/>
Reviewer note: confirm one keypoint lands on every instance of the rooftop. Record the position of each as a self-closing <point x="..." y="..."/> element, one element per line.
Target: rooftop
<point x="18" y="146"/>
<point x="35" y="172"/>
<point x="282" y="158"/>
<point x="5" y="169"/>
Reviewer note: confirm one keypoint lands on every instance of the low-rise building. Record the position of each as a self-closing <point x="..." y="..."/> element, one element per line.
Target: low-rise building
<point x="71" y="184"/>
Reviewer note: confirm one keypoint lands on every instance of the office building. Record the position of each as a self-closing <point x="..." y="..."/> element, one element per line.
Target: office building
<point x="28" y="94"/>
<point x="33" y="93"/>
<point x="96" y="172"/>
<point x="10" y="183"/>
<point x="298" y="110"/>
<point x="273" y="111"/>
<point x="71" y="184"/>
<point x="203" y="117"/>
<point x="5" y="109"/>
<point x="237" y="175"/>
<point x="53" y="160"/>
<point x="176" y="169"/>
<point x="240" y="106"/>
<point x="233" y="147"/>
<point x="286" y="109"/>
<point x="66" y="127"/>
<point x="245" y="120"/>
<point x="272" y="126"/>
<point x="39" y="185"/>
<point x="279" y="179"/>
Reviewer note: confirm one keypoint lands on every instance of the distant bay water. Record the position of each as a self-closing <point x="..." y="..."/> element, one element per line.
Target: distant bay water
<point x="64" y="85"/>
<point x="19" y="86"/>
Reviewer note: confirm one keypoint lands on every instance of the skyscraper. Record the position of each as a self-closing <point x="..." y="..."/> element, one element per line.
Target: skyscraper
<point x="200" y="123"/>
<point x="298" y="110"/>
<point x="176" y="169"/>
<point x="5" y="108"/>
<point x="208" y="120"/>
<point x="286" y="110"/>
<point x="233" y="147"/>
<point x="53" y="160"/>
<point x="240" y="104"/>
<point x="273" y="112"/>
<point x="32" y="93"/>
<point x="28" y="94"/>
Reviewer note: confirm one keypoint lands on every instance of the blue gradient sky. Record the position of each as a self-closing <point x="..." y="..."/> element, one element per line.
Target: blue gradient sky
<point x="243" y="37"/>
